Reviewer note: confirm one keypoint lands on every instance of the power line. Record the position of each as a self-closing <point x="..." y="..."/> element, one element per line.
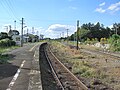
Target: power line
<point x="10" y="7"/>
<point x="4" y="7"/>
<point x="48" y="20"/>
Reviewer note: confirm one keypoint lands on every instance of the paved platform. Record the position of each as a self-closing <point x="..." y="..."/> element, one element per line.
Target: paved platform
<point x="35" y="77"/>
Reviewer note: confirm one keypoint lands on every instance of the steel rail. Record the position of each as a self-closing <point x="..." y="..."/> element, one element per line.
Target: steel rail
<point x="102" y="52"/>
<point x="77" y="80"/>
<point x="53" y="71"/>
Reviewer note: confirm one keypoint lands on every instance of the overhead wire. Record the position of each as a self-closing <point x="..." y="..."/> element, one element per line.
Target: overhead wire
<point x="6" y="9"/>
<point x="10" y="6"/>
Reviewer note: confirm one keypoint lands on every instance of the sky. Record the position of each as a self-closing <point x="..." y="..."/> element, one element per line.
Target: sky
<point x="52" y="18"/>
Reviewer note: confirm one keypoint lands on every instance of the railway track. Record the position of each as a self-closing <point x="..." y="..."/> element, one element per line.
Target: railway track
<point x="112" y="55"/>
<point x="47" y="79"/>
<point x="98" y="52"/>
<point x="64" y="79"/>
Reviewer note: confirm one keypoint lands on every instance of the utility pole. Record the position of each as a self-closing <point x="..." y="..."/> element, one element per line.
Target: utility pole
<point x="67" y="36"/>
<point x="63" y="34"/>
<point x="6" y="28"/>
<point x="15" y="25"/>
<point x="37" y="33"/>
<point x="67" y="32"/>
<point x="116" y="29"/>
<point x="9" y="27"/>
<point x="22" y="33"/>
<point x="77" y="32"/>
<point x="27" y="32"/>
<point x="33" y="30"/>
<point x="60" y="35"/>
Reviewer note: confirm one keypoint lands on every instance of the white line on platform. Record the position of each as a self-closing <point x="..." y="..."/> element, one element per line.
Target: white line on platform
<point x="33" y="47"/>
<point x="34" y="55"/>
<point x="15" y="76"/>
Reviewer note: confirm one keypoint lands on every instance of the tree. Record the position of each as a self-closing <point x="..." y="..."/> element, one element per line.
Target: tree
<point x="116" y="28"/>
<point x="97" y="26"/>
<point x="33" y="38"/>
<point x="115" y="42"/>
<point x="4" y="35"/>
<point x="83" y="33"/>
<point x="94" y="31"/>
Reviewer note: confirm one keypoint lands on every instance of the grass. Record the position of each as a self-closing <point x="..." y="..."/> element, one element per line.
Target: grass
<point x="5" y="57"/>
<point x="82" y="68"/>
<point x="92" y="67"/>
<point x="73" y="57"/>
<point x="82" y="45"/>
<point x="6" y="49"/>
<point x="78" y="61"/>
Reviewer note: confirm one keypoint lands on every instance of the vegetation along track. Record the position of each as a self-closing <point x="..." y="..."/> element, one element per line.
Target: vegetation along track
<point x="112" y="55"/>
<point x="64" y="79"/>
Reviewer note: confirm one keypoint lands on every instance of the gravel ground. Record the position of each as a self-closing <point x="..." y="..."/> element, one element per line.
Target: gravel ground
<point x="107" y="67"/>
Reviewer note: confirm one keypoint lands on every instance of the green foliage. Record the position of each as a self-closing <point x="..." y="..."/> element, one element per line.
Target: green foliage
<point x="116" y="28"/>
<point x="82" y="68"/>
<point x="88" y="41"/>
<point x="33" y="38"/>
<point x="6" y="43"/>
<point x="82" y="33"/>
<point x="3" y="35"/>
<point x="94" y="31"/>
<point x="4" y="58"/>
<point x="115" y="42"/>
<point x="92" y="41"/>
<point x="103" y="41"/>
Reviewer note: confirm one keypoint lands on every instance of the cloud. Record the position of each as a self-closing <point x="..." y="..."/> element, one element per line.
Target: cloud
<point x="102" y="4"/>
<point x="41" y="30"/>
<point x="4" y="27"/>
<point x="110" y="26"/>
<point x="117" y="9"/>
<point x="70" y="0"/>
<point x="56" y="27"/>
<point x="55" y="30"/>
<point x="111" y="8"/>
<point x="114" y="6"/>
<point x="74" y="8"/>
<point x="100" y="10"/>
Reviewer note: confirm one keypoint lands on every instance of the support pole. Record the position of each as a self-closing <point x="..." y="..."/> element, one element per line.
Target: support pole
<point x="67" y="36"/>
<point x="22" y="33"/>
<point x="77" y="33"/>
<point x="15" y="25"/>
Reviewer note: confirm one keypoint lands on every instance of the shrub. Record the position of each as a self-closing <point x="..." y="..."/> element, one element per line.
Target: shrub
<point x="6" y="43"/>
<point x="103" y="41"/>
<point x="115" y="42"/>
<point x="83" y="69"/>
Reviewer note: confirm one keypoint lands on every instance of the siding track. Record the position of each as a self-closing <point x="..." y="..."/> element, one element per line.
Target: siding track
<point x="65" y="80"/>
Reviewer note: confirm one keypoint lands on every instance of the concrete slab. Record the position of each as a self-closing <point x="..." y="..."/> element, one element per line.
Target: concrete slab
<point x="35" y="77"/>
